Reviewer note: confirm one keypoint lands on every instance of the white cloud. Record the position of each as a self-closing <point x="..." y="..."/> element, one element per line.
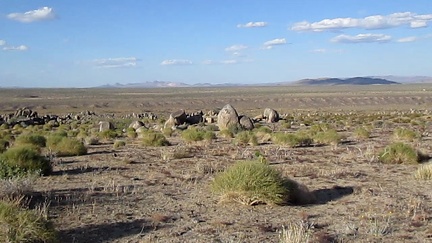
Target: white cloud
<point x="15" y="48"/>
<point x="252" y="25"/>
<point x="361" y="38"/>
<point x="413" y="20"/>
<point x="269" y="44"/>
<point x="236" y="48"/>
<point x="40" y="14"/>
<point x="119" y="62"/>
<point x="2" y="42"/>
<point x="176" y="62"/>
<point x="408" y="39"/>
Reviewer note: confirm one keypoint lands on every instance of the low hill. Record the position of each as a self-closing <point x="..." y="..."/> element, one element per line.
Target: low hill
<point x="347" y="81"/>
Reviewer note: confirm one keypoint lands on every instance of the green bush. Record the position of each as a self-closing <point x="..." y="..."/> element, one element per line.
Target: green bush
<point x="24" y="225"/>
<point x="152" y="138"/>
<point x="399" y="153"/>
<point x="245" y="138"/>
<point x="252" y="182"/>
<point x="291" y="139"/>
<point x="21" y="160"/>
<point x="65" y="146"/>
<point x="108" y="134"/>
<point x="405" y="134"/>
<point x="194" y="134"/>
<point x="31" y="139"/>
<point x="328" y="137"/>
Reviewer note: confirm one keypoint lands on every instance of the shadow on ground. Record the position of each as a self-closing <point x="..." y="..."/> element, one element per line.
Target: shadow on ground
<point x="324" y="196"/>
<point x="106" y="232"/>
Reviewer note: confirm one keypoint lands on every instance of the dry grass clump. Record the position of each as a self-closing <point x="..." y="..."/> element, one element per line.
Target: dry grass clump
<point x="246" y="138"/>
<point x="424" y="172"/>
<point x="295" y="233"/>
<point x="119" y="143"/>
<point x="17" y="186"/>
<point x="399" y="153"/>
<point x="152" y="138"/>
<point x="18" y="161"/>
<point x="361" y="133"/>
<point x="19" y="224"/>
<point x="405" y="134"/>
<point x="292" y="139"/>
<point x="251" y="183"/>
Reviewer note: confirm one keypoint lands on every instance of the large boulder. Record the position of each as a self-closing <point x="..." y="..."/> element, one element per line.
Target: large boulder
<point x="175" y="119"/>
<point x="246" y="123"/>
<point x="227" y="117"/>
<point x="105" y="125"/>
<point x="136" y="124"/>
<point x="271" y="115"/>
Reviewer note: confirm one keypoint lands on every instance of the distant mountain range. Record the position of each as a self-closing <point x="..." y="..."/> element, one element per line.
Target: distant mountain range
<point x="347" y="81"/>
<point x="371" y="80"/>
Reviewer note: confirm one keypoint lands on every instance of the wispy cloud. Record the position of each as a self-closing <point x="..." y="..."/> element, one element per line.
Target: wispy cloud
<point x="407" y="39"/>
<point x="319" y="50"/>
<point x="15" y="48"/>
<point x="361" y="38"/>
<point x="269" y="44"/>
<point x="176" y="62"/>
<point x="413" y="20"/>
<point x="231" y="61"/>
<point x="2" y="42"/>
<point x="44" y="13"/>
<point x="119" y="62"/>
<point x="252" y="25"/>
<point x="236" y="48"/>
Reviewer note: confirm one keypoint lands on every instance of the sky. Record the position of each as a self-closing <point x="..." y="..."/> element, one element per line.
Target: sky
<point x="79" y="43"/>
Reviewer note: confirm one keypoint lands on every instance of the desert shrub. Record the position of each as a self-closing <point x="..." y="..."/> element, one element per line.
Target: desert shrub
<point x="263" y="129"/>
<point x="152" y="138"/>
<point x="361" y="133"/>
<point x="234" y="129"/>
<point x="92" y="140"/>
<point x="399" y="153"/>
<point x="3" y="145"/>
<point x="424" y="172"/>
<point x="108" y="134"/>
<point x="405" y="134"/>
<point x="31" y="139"/>
<point x="291" y="139"/>
<point x="4" y="126"/>
<point x="226" y="133"/>
<point x="331" y="137"/>
<point x="168" y="131"/>
<point x="18" y="161"/>
<point x="73" y="133"/>
<point x="66" y="146"/>
<point x="119" y="143"/>
<point x="245" y="138"/>
<point x="24" y="225"/>
<point x="252" y="182"/>
<point x="194" y="134"/>
<point x="212" y="127"/>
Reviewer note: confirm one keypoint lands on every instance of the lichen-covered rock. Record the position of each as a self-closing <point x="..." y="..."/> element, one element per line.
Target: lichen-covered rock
<point x="271" y="115"/>
<point x="136" y="124"/>
<point x="105" y="125"/>
<point x="246" y="123"/>
<point x="227" y="117"/>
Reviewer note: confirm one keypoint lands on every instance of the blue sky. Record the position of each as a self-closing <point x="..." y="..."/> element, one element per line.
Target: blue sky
<point x="91" y="43"/>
